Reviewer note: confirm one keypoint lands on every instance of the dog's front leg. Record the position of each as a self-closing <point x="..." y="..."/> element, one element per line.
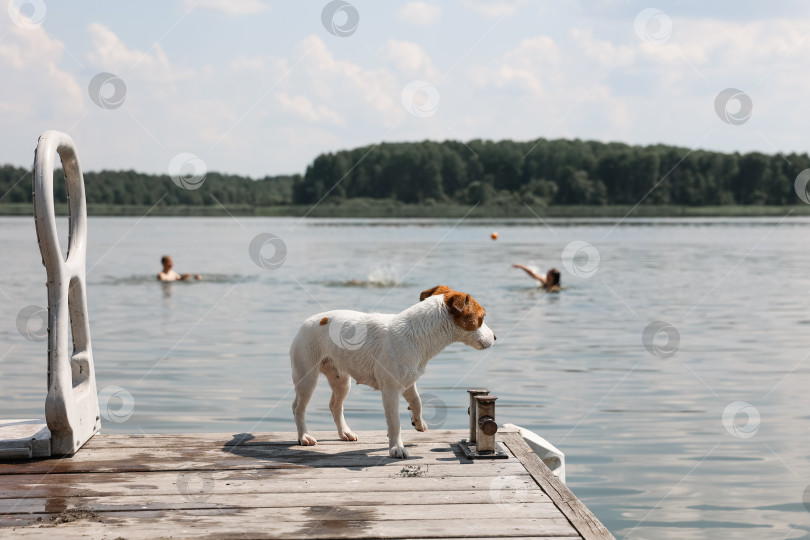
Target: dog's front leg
<point x="390" y="400"/>
<point x="415" y="406"/>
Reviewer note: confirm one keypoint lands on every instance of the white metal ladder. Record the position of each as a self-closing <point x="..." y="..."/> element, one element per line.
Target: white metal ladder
<point x="71" y="408"/>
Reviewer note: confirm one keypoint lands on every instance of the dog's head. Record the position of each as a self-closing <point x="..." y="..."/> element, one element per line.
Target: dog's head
<point x="467" y="314"/>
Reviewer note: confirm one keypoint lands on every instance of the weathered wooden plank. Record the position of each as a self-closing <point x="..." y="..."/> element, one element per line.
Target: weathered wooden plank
<point x="482" y="469"/>
<point x="262" y="480"/>
<point x="435" y="505"/>
<point x="232" y="457"/>
<point x="324" y="438"/>
<point x="318" y="522"/>
<point x="577" y="513"/>
<point x="279" y="448"/>
<point x="200" y="484"/>
<point x="348" y="512"/>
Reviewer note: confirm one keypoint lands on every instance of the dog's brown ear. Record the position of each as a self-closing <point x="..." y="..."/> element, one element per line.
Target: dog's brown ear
<point x="438" y="289"/>
<point x="457" y="303"/>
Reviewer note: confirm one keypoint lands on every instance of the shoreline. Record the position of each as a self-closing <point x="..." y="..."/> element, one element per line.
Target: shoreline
<point x="388" y="209"/>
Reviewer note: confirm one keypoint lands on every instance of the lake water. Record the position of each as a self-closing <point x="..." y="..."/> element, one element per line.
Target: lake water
<point x="702" y="433"/>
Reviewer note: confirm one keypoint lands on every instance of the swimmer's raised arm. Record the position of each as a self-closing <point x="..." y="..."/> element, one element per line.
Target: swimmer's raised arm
<point x="539" y="277"/>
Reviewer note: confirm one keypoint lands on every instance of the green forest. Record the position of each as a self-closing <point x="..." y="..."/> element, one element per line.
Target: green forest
<point x="543" y="174"/>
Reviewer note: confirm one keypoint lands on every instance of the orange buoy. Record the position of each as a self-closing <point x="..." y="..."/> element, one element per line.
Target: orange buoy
<point x="494" y="236"/>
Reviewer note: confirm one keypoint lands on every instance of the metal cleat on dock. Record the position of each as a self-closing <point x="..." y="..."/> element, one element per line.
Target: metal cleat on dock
<point x="71" y="407"/>
<point x="481" y="443"/>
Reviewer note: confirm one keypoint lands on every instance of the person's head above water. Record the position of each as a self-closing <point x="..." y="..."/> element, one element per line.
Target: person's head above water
<point x="552" y="277"/>
<point x="168" y="274"/>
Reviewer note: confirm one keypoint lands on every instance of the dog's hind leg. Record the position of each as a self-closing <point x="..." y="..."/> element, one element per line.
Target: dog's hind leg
<point x="415" y="406"/>
<point x="305" y="377"/>
<point x="340" y="389"/>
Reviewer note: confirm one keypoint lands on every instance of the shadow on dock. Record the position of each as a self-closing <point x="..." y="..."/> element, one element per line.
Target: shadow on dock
<point x="356" y="456"/>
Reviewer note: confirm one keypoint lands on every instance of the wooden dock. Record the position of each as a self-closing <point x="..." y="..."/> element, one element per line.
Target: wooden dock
<point x="264" y="485"/>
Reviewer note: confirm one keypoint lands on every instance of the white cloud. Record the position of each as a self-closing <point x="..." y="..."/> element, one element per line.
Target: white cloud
<point x="37" y="88"/>
<point x="493" y="9"/>
<point x="726" y="45"/>
<point x="304" y="108"/>
<point x="549" y="88"/>
<point x="254" y="65"/>
<point x="109" y="53"/>
<point x="534" y="63"/>
<point x="419" y="13"/>
<point x="375" y="90"/>
<point x="313" y="84"/>
<point x="611" y="89"/>
<point x="229" y="7"/>
<point x="409" y="59"/>
<point x="218" y="113"/>
<point x="169" y="107"/>
<point x="606" y="53"/>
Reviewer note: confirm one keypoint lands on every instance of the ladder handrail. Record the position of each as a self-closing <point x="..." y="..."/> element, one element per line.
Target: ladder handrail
<point x="71" y="408"/>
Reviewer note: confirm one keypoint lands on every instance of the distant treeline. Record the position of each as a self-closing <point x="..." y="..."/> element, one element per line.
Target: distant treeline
<point x="138" y="189"/>
<point x="559" y="172"/>
<point x="543" y="172"/>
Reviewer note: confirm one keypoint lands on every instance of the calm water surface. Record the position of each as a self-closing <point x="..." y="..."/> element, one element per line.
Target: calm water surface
<point x="644" y="434"/>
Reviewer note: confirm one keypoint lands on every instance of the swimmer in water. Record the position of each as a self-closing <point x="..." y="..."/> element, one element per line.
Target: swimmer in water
<point x="550" y="281"/>
<point x="167" y="274"/>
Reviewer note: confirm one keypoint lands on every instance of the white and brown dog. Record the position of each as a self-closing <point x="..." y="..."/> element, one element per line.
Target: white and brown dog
<point x="387" y="352"/>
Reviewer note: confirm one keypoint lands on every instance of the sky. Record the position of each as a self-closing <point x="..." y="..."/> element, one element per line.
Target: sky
<point x="261" y="87"/>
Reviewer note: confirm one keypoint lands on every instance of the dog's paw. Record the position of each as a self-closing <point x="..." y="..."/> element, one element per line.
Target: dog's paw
<point x="398" y="452"/>
<point x="307" y="440"/>
<point x="348" y="436"/>
<point x="419" y="425"/>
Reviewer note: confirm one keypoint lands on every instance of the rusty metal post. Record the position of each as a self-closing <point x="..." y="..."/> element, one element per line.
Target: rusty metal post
<point x="481" y="444"/>
<point x="486" y="426"/>
<point x="472" y="410"/>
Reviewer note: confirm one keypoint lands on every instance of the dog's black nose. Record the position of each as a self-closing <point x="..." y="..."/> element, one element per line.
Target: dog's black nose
<point x="494" y="337"/>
